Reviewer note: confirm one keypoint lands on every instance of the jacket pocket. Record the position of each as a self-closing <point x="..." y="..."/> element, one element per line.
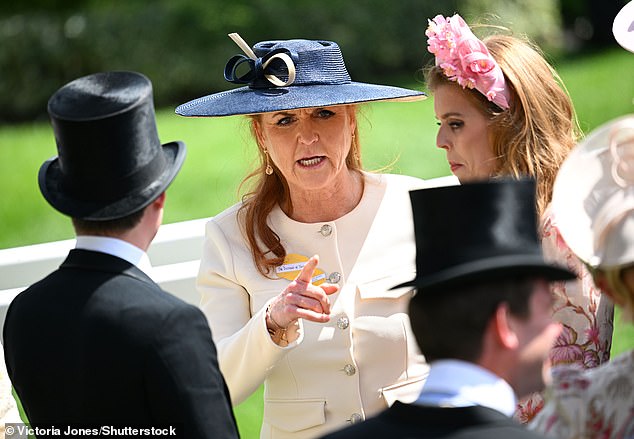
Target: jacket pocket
<point x="380" y="288"/>
<point x="404" y="391"/>
<point x="294" y="414"/>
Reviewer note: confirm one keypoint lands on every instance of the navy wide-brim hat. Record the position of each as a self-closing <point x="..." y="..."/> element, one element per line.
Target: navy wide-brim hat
<point x="478" y="232"/>
<point x="110" y="161"/>
<point x="289" y="75"/>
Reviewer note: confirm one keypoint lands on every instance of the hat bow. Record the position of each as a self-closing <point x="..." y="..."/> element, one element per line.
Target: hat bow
<point x="263" y="72"/>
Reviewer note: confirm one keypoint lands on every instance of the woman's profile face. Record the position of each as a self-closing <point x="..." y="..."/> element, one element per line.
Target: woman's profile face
<point x="308" y="146"/>
<point x="463" y="134"/>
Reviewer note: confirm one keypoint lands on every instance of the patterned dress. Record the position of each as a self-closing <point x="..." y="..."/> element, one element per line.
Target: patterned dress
<point x="586" y="315"/>
<point x="590" y="403"/>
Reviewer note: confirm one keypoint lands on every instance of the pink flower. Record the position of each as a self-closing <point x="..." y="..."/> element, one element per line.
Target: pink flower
<point x="593" y="334"/>
<point x="566" y="350"/>
<point x="528" y="408"/>
<point x="465" y="59"/>
<point x="591" y="359"/>
<point x="569" y="354"/>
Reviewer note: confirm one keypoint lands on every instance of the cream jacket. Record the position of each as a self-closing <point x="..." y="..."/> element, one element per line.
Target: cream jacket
<point x="335" y="373"/>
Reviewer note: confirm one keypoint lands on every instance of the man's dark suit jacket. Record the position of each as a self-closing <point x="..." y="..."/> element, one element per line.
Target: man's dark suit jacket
<point x="98" y="342"/>
<point x="415" y="421"/>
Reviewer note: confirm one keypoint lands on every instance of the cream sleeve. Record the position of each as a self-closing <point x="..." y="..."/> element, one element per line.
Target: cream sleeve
<point x="246" y="352"/>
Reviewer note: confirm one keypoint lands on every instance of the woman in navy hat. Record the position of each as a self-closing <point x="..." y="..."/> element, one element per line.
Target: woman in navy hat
<point x="295" y="279"/>
<point x="503" y="111"/>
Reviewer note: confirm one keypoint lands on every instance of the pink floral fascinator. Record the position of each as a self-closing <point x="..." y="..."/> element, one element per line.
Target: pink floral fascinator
<point x="465" y="59"/>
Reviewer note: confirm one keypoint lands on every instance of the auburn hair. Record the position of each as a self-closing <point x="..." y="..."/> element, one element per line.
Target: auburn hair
<point x="533" y="136"/>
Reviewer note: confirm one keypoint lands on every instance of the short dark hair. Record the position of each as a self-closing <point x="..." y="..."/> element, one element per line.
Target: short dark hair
<point x="109" y="227"/>
<point x="450" y="323"/>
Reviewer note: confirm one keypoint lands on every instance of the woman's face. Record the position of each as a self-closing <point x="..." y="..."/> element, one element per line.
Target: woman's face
<point x="308" y="146"/>
<point x="463" y="134"/>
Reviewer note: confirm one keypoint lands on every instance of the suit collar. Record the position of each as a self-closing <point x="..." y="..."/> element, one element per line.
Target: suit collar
<point x="459" y="417"/>
<point x="455" y="383"/>
<point x="115" y="247"/>
<point x="98" y="261"/>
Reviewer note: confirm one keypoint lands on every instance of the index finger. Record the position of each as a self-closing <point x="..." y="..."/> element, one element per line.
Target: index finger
<point x="306" y="275"/>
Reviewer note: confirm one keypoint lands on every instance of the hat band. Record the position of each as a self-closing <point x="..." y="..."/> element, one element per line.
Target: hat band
<point x="119" y="187"/>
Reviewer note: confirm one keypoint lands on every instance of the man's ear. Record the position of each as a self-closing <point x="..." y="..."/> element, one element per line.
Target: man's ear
<point x="502" y="326"/>
<point x="159" y="202"/>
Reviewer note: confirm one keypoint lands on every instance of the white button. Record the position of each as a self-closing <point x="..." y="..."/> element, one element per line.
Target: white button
<point x="326" y="230"/>
<point x="356" y="417"/>
<point x="343" y="323"/>
<point x="334" y="277"/>
<point x="349" y="369"/>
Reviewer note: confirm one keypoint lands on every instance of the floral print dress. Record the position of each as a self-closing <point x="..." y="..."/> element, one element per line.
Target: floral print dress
<point x="595" y="403"/>
<point x="586" y="315"/>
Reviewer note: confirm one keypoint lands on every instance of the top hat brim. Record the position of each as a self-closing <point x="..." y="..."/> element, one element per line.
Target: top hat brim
<point x="490" y="269"/>
<point x="246" y="100"/>
<point x="50" y="178"/>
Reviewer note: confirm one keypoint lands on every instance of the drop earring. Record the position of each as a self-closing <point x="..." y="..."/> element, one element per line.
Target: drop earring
<point x="269" y="168"/>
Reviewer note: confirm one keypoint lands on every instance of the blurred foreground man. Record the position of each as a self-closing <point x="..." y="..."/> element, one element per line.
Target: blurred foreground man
<point x="482" y="314"/>
<point x="98" y="344"/>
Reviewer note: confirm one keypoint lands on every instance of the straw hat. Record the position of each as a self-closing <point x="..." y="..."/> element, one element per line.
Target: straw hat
<point x="288" y="75"/>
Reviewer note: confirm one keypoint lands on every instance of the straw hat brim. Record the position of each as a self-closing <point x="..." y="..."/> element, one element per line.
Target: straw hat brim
<point x="246" y="100"/>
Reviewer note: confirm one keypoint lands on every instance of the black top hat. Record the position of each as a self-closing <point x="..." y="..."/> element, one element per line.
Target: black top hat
<point x="287" y="75"/>
<point x="478" y="232"/>
<point x="111" y="162"/>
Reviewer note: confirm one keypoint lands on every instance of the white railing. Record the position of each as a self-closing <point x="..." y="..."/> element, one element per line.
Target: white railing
<point x="174" y="254"/>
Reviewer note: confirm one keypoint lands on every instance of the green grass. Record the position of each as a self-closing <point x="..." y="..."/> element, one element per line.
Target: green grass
<point x="249" y="415"/>
<point x="220" y="152"/>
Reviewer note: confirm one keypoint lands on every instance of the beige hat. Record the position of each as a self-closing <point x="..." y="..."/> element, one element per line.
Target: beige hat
<point x="623" y="27"/>
<point x="593" y="196"/>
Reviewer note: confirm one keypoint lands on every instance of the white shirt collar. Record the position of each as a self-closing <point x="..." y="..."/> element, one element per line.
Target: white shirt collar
<point x="455" y="383"/>
<point x="116" y="247"/>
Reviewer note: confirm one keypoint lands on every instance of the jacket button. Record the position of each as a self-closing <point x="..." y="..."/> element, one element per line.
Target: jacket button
<point x="349" y="369"/>
<point x="343" y="323"/>
<point x="326" y="230"/>
<point x="334" y="277"/>
<point x="356" y="417"/>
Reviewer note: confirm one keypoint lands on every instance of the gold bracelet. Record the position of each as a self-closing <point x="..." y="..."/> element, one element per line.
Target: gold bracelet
<point x="278" y="335"/>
